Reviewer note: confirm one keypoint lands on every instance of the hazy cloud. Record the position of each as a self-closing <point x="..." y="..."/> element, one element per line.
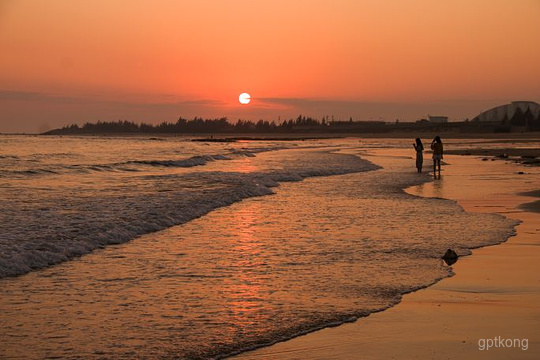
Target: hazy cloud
<point x="10" y="95"/>
<point x="22" y="95"/>
<point x="27" y="111"/>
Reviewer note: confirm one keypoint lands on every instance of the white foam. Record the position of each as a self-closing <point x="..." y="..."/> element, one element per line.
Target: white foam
<point x="70" y="224"/>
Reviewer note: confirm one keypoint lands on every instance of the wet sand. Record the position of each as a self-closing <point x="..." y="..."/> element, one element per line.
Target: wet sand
<point x="495" y="293"/>
<point x="533" y="206"/>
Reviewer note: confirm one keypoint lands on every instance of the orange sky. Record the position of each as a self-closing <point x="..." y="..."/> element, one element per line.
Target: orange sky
<point x="64" y="61"/>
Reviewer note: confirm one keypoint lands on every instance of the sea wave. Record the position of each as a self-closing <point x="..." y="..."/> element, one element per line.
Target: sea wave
<point x="192" y="161"/>
<point x="29" y="167"/>
<point x="66" y="225"/>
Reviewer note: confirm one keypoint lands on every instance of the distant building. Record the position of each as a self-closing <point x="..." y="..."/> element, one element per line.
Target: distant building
<point x="438" y="119"/>
<point x="503" y="113"/>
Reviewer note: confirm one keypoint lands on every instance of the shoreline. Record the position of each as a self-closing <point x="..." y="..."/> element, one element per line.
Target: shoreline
<point x="445" y="318"/>
<point x="519" y="137"/>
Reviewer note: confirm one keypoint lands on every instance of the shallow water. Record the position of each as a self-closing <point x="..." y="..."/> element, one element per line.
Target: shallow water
<point x="64" y="197"/>
<point x="316" y="253"/>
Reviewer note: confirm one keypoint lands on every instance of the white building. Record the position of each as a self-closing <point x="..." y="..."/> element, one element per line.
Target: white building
<point x="438" y="119"/>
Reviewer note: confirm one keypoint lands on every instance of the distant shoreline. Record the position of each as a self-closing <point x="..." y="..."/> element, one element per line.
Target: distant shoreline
<point x="305" y="135"/>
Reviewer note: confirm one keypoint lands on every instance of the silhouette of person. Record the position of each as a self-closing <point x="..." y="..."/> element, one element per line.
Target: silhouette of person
<point x="419" y="147"/>
<point x="437" y="147"/>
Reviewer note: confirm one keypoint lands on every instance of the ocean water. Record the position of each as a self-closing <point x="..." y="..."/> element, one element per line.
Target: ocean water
<point x="64" y="197"/>
<point x="203" y="250"/>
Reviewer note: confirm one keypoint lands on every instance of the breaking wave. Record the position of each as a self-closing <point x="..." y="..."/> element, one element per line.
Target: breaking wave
<point x="64" y="225"/>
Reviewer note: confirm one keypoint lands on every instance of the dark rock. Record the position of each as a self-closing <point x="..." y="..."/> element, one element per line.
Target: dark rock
<point x="450" y="257"/>
<point x="450" y="254"/>
<point x="503" y="156"/>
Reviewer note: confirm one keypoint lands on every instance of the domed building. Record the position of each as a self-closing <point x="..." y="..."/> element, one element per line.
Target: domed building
<point x="503" y="112"/>
<point x="518" y="114"/>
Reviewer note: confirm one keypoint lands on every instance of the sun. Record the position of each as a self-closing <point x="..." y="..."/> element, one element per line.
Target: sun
<point x="244" y="98"/>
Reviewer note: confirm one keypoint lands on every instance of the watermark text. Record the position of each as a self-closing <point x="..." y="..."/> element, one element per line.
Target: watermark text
<point x="498" y="342"/>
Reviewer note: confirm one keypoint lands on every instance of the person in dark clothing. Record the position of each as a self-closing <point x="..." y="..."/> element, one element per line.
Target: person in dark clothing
<point x="437" y="147"/>
<point x="419" y="147"/>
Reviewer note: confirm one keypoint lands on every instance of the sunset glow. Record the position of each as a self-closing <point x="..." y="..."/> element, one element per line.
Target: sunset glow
<point x="65" y="61"/>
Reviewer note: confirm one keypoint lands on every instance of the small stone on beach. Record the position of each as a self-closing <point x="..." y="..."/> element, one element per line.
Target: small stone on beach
<point x="450" y="257"/>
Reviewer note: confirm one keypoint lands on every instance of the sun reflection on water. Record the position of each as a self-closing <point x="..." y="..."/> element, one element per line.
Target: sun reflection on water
<point x="245" y="165"/>
<point x="245" y="294"/>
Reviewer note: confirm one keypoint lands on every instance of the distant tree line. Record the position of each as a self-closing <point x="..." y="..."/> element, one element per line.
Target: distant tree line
<point x="524" y="119"/>
<point x="195" y="125"/>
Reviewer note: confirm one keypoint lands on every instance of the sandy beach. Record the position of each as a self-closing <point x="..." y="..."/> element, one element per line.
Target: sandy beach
<point x="493" y="296"/>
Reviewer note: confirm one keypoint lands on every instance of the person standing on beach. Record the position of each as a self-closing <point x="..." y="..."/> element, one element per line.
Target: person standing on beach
<point x="437" y="147"/>
<point x="419" y="147"/>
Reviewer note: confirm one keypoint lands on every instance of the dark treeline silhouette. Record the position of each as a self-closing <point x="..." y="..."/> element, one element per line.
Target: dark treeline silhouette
<point x="520" y="120"/>
<point x="195" y="125"/>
